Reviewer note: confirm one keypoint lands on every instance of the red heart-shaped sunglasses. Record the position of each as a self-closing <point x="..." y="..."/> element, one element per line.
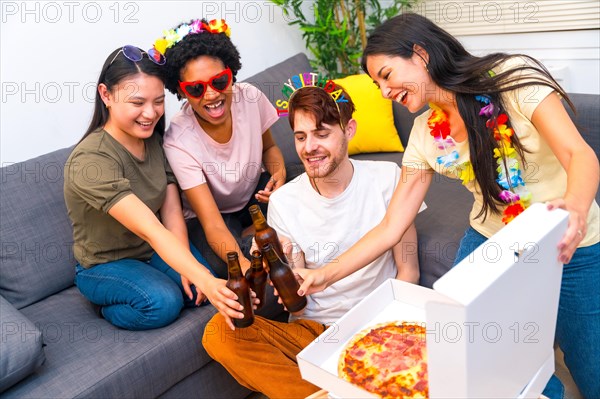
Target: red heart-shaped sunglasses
<point x="197" y="88"/>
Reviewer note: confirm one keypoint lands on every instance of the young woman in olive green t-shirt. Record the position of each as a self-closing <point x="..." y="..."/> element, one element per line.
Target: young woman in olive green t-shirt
<point x="130" y="238"/>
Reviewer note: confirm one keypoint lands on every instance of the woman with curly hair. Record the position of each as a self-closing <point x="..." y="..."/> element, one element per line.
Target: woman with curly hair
<point x="220" y="142"/>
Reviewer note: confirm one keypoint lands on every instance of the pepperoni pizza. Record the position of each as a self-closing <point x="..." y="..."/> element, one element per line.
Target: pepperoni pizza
<point x="389" y="360"/>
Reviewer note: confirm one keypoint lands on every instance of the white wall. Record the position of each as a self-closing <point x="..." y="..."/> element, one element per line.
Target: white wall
<point x="51" y="53"/>
<point x="573" y="57"/>
<point x="563" y="34"/>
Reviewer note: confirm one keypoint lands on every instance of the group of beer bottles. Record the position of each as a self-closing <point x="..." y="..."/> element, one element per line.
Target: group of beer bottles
<point x="278" y="271"/>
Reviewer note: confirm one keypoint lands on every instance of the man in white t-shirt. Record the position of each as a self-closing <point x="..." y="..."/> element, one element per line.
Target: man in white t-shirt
<point x="318" y="216"/>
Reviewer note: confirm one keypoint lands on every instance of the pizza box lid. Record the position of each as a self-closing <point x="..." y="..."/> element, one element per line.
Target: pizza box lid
<point x="490" y="320"/>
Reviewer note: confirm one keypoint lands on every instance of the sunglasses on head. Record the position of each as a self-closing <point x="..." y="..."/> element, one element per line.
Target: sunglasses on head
<point x="197" y="89"/>
<point x="134" y="54"/>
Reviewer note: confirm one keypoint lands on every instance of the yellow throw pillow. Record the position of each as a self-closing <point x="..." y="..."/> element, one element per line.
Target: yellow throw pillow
<point x="376" y="131"/>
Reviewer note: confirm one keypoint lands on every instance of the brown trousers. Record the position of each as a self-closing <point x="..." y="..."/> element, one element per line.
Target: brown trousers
<point x="262" y="357"/>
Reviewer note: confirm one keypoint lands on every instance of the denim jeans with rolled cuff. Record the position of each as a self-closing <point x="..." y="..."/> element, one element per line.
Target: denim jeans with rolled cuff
<point x="137" y="295"/>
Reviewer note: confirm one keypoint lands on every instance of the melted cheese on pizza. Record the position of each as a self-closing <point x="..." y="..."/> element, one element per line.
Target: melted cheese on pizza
<point x="389" y="360"/>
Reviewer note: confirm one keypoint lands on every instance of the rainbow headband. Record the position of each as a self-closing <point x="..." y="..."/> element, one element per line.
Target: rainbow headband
<point x="307" y="79"/>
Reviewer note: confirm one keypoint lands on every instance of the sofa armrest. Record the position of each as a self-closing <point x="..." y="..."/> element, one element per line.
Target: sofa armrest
<point x="587" y="120"/>
<point x="21" y="350"/>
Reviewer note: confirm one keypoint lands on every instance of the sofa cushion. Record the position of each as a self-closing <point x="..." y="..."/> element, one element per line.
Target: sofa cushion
<point x="210" y="382"/>
<point x="375" y="131"/>
<point x="36" y="258"/>
<point x="441" y="226"/>
<point x="381" y="156"/>
<point x="20" y="347"/>
<point x="270" y="81"/>
<point x="587" y="118"/>
<point x="88" y="357"/>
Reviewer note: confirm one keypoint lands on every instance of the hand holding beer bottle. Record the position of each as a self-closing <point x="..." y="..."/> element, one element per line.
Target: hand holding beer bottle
<point x="237" y="283"/>
<point x="265" y="234"/>
<point x="283" y="280"/>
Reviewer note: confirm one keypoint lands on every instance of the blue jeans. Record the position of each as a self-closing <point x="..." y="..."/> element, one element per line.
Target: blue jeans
<point x="136" y="295"/>
<point x="578" y="323"/>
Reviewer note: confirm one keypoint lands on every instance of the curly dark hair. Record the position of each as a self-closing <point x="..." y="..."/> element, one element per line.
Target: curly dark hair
<point x="217" y="45"/>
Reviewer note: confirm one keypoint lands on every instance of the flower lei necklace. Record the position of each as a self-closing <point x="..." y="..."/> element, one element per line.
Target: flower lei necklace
<point x="514" y="193"/>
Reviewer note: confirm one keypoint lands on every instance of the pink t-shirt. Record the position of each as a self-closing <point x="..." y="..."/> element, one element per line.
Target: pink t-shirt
<point x="232" y="169"/>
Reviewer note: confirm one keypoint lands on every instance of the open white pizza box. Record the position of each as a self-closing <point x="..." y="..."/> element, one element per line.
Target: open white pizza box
<point x="490" y="320"/>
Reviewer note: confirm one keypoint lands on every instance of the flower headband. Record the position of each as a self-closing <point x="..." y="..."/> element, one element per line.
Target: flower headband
<point x="174" y="36"/>
<point x="308" y="79"/>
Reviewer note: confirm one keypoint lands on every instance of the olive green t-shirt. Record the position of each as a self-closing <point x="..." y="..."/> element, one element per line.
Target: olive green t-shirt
<point x="98" y="174"/>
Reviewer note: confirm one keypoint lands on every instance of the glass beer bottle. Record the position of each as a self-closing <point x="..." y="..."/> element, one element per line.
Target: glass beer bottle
<point x="264" y="233"/>
<point x="257" y="277"/>
<point x="237" y="283"/>
<point x="284" y="281"/>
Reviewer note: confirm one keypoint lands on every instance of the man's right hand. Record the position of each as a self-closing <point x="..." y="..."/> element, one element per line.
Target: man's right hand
<point x="311" y="280"/>
<point x="279" y="301"/>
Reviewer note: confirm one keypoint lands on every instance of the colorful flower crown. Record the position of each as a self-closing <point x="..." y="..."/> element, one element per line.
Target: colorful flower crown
<point x="174" y="36"/>
<point x="308" y="79"/>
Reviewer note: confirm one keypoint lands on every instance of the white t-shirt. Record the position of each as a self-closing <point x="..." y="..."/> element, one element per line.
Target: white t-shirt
<point x="324" y="228"/>
<point x="230" y="169"/>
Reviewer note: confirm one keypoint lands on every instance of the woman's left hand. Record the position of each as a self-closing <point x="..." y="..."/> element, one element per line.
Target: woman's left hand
<point x="575" y="232"/>
<point x="187" y="288"/>
<point x="276" y="181"/>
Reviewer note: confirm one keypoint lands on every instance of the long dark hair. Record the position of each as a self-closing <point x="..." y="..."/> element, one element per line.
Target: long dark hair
<point x="116" y="68"/>
<point x="454" y="69"/>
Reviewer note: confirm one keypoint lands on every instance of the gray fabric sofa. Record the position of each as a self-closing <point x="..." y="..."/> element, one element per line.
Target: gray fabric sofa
<point x="53" y="344"/>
